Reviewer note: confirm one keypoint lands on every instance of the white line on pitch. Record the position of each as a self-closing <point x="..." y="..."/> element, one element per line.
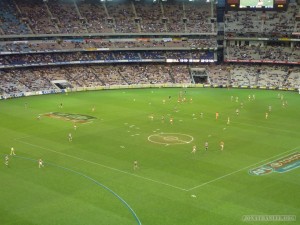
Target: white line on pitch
<point x="234" y="172"/>
<point x="108" y="167"/>
<point x="27" y="136"/>
<point x="182" y="141"/>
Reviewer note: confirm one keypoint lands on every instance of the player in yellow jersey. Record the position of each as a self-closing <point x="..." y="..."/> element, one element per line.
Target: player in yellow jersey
<point x="206" y="146"/>
<point x="70" y="137"/>
<point x="194" y="149"/>
<point x="222" y="145"/>
<point x="135" y="165"/>
<point x="41" y="163"/>
<point x="12" y="151"/>
<point x="171" y="120"/>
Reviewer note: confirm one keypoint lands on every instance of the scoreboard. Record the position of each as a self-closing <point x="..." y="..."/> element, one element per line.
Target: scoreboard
<point x="264" y="5"/>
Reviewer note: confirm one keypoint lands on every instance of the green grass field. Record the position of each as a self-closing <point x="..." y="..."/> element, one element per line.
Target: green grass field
<point x="91" y="179"/>
<point x="254" y="3"/>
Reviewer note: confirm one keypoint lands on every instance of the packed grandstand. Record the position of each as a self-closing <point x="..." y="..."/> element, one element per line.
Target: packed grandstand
<point x="92" y="43"/>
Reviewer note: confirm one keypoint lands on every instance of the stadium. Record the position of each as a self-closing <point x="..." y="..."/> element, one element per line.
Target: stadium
<point x="149" y="112"/>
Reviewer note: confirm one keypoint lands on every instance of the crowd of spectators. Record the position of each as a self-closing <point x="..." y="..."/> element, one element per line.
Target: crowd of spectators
<point x="277" y="26"/>
<point x="241" y="75"/>
<point x="39" y="78"/>
<point x="174" y="16"/>
<point x="123" y="17"/>
<point x="199" y="21"/>
<point x="275" y="77"/>
<point x="218" y="74"/>
<point x="67" y="17"/>
<point x="10" y="19"/>
<point x="293" y="79"/>
<point x="258" y="52"/>
<point x="93" y="16"/>
<point x="109" y="75"/>
<point x="264" y="75"/>
<point x="151" y="17"/>
<point x="262" y="23"/>
<point x="37" y="17"/>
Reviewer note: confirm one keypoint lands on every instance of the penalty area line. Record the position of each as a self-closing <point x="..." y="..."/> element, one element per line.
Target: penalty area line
<point x="247" y="167"/>
<point x="107" y="167"/>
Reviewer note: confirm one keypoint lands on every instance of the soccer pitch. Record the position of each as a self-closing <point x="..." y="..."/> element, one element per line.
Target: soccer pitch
<point x="91" y="179"/>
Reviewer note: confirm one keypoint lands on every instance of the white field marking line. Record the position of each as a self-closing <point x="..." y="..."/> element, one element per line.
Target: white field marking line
<point x="108" y="167"/>
<point x="27" y="136"/>
<point x="234" y="172"/>
<point x="180" y="141"/>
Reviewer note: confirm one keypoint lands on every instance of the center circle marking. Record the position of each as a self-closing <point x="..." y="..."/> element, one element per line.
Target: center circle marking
<point x="170" y="138"/>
